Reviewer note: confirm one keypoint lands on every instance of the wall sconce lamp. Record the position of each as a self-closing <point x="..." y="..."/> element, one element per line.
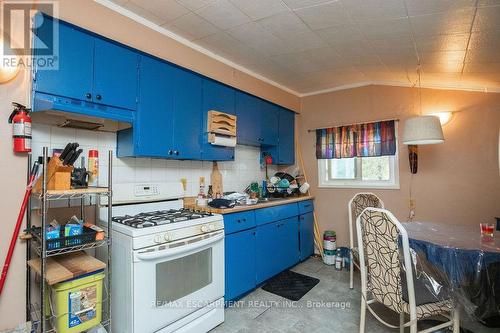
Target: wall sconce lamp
<point x="421" y="130"/>
<point x="7" y="72"/>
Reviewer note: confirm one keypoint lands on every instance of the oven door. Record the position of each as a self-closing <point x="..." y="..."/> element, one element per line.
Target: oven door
<point x="176" y="279"/>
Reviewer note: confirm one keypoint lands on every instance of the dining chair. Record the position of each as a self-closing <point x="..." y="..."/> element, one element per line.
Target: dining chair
<point x="384" y="257"/>
<point x="356" y="205"/>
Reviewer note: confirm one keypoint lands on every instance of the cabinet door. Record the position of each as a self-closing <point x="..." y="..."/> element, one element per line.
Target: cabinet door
<point x="268" y="254"/>
<point x="73" y="78"/>
<point x="187" y="115"/>
<point x="286" y="147"/>
<point x="154" y="122"/>
<point x="115" y="75"/>
<point x="306" y="227"/>
<point x="269" y="124"/>
<point x="289" y="236"/>
<point x="216" y="97"/>
<point x="248" y="110"/>
<point x="239" y="263"/>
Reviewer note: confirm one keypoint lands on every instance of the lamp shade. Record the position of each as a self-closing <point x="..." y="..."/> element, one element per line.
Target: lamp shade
<point x="423" y="130"/>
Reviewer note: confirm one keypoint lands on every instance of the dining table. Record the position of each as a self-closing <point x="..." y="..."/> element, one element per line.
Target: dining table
<point x="457" y="261"/>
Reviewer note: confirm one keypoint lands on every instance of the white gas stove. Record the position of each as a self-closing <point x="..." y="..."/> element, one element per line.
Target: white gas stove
<point x="168" y="261"/>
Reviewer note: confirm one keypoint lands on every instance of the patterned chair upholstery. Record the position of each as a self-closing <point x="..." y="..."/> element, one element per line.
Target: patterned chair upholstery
<point x="384" y="251"/>
<point x="356" y="205"/>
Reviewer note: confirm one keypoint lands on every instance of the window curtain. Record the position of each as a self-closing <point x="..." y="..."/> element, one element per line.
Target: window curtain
<point x="359" y="140"/>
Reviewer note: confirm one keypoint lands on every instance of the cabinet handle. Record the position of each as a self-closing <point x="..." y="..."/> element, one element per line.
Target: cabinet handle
<point x="98" y="97"/>
<point x="170" y="152"/>
<point x="239" y="221"/>
<point x="88" y="95"/>
<point x="176" y="152"/>
<point x="305" y="206"/>
<point x="244" y="220"/>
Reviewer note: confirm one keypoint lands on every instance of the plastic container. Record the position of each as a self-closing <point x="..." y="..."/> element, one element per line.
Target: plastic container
<point x="77" y="303"/>
<point x="53" y="243"/>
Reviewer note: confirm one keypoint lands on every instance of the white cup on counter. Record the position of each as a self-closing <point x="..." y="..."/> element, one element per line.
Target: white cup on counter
<point x="304" y="188"/>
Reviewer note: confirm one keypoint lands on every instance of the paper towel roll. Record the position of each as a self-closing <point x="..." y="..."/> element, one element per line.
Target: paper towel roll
<point x="224" y="141"/>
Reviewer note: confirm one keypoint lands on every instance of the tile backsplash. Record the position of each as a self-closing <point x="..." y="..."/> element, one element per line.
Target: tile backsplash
<point x="236" y="174"/>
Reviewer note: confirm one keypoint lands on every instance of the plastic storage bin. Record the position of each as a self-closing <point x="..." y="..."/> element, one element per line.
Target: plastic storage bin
<point x="78" y="303"/>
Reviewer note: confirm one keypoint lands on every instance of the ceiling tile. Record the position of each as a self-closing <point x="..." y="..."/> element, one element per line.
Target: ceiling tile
<point x="482" y="3"/>
<point x="375" y="9"/>
<point x="192" y="26"/>
<point x="393" y="45"/>
<point x="324" y="16"/>
<point x="485" y="39"/>
<point x="487" y="18"/>
<point x="455" y="42"/>
<point x="482" y="55"/>
<point x="442" y="57"/>
<point x="303" y="41"/>
<point x="482" y="67"/>
<point x="423" y="7"/>
<point x="196" y="4"/>
<point x="451" y="22"/>
<point x="341" y="34"/>
<point x="144" y="13"/>
<point x="295" y="4"/>
<point x="167" y="10"/>
<point x="383" y="29"/>
<point x="257" y="9"/>
<point x="284" y="24"/>
<point x="259" y="38"/>
<point x="297" y="62"/>
<point x="223" y="14"/>
<point x="443" y="67"/>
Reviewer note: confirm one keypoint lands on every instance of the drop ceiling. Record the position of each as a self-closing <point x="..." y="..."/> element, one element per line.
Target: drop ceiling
<point x="309" y="46"/>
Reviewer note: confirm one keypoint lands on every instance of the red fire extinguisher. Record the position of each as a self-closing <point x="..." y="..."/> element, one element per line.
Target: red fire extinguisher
<point x="21" y="132"/>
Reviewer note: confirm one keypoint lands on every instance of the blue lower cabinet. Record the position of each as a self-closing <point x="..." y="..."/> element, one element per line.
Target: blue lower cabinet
<point x="239" y="263"/>
<point x="306" y="231"/>
<point x="289" y="241"/>
<point x="268" y="252"/>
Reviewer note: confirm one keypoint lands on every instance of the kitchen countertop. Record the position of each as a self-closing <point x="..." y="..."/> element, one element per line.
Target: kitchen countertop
<point x="190" y="203"/>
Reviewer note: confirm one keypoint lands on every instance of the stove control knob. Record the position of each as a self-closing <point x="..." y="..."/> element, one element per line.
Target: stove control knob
<point x="205" y="228"/>
<point x="166" y="237"/>
<point x="211" y="227"/>
<point x="157" y="239"/>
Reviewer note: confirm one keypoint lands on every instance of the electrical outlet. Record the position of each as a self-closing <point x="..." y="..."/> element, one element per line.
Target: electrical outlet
<point x="412" y="204"/>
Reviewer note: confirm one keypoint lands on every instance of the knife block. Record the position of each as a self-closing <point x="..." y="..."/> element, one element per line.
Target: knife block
<point x="58" y="176"/>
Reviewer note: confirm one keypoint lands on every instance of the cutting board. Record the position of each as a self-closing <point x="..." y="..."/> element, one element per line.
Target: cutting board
<point x="216" y="180"/>
<point x="69" y="266"/>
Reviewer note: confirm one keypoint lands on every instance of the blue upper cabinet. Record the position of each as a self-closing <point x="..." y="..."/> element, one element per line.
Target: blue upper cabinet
<point x="269" y="114"/>
<point x="115" y="75"/>
<point x="95" y="77"/>
<point x="218" y="97"/>
<point x="168" y="122"/>
<point x="151" y="134"/>
<point x="284" y="152"/>
<point x="74" y="77"/>
<point x="248" y="109"/>
<point x="187" y="118"/>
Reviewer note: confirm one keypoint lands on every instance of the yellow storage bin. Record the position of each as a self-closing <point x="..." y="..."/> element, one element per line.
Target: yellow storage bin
<point x="77" y="303"/>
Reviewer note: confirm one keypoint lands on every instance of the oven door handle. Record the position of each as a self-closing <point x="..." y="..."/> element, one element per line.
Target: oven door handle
<point x="172" y="252"/>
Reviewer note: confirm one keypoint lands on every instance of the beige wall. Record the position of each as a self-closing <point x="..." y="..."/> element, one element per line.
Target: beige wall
<point x="457" y="182"/>
<point x="92" y="16"/>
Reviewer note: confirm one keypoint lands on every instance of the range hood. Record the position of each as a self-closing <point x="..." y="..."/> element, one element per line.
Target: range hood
<point x="66" y="112"/>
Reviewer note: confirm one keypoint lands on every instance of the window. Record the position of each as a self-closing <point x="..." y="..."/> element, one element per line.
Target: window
<point x="359" y="172"/>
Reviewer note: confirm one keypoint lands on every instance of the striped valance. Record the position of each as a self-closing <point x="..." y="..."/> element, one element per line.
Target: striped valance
<point x="359" y="140"/>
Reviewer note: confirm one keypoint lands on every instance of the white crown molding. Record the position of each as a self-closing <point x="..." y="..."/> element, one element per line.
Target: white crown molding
<point x="139" y="19"/>
<point x="400" y="84"/>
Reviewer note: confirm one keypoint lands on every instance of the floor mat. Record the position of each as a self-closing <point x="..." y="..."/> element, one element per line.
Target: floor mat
<point x="291" y="285"/>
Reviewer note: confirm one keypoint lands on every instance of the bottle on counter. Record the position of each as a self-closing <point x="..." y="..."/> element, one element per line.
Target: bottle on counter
<point x="210" y="193"/>
<point x="93" y="167"/>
